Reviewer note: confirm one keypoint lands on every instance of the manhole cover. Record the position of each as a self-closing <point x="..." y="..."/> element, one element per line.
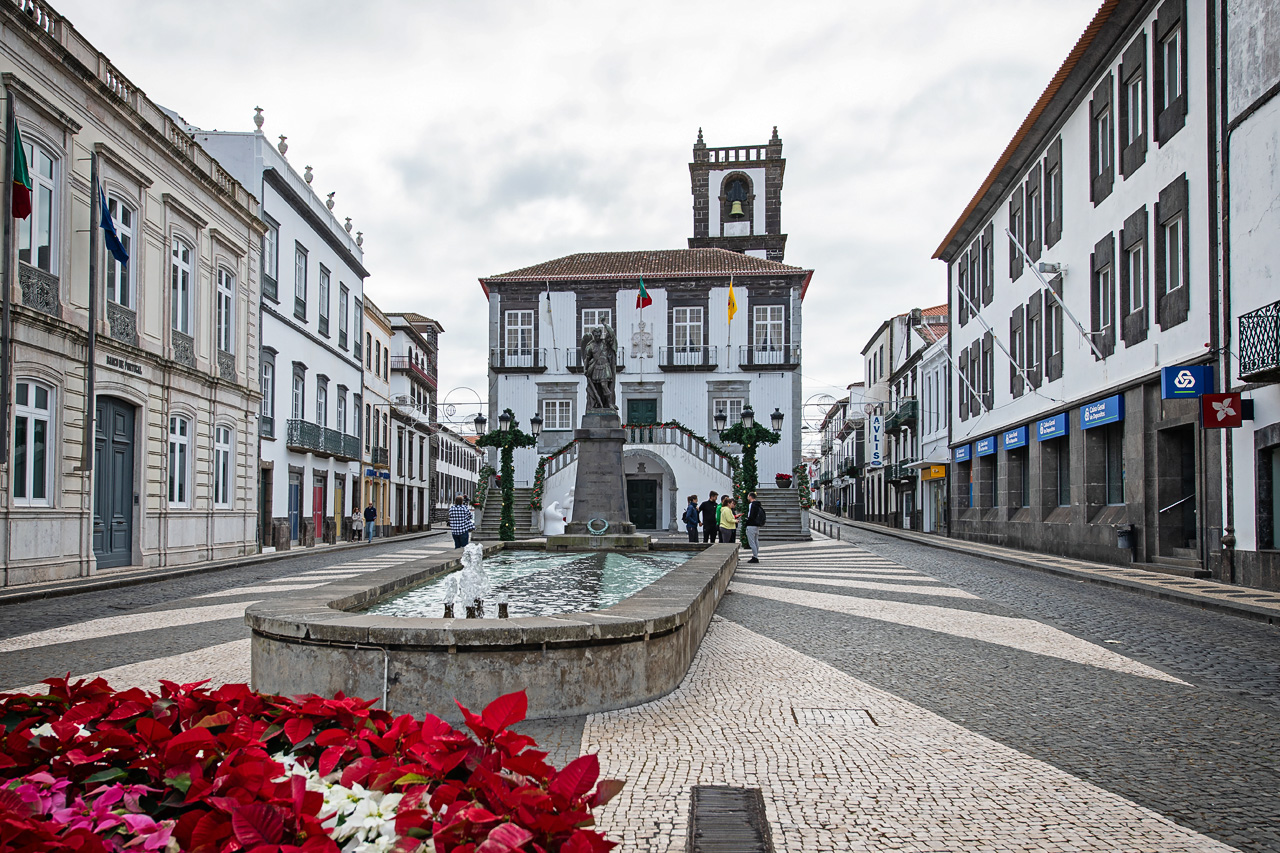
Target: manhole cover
<point x="833" y="717"/>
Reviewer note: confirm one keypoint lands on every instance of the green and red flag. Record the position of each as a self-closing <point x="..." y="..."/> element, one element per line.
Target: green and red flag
<point x="21" y="178"/>
<point x="643" y="298"/>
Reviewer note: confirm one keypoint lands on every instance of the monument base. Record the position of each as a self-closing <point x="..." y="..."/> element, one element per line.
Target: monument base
<point x="607" y="542"/>
<point x="600" y="489"/>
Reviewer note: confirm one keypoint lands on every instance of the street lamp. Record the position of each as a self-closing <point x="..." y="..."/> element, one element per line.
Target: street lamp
<point x="480" y="423"/>
<point x="748" y="418"/>
<point x="776" y="419"/>
<point x="720" y="419"/>
<point x="504" y="421"/>
<point x="535" y="425"/>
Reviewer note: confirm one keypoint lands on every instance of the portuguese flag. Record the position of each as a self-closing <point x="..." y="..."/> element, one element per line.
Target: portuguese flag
<point x="643" y="298"/>
<point x="21" y="178"/>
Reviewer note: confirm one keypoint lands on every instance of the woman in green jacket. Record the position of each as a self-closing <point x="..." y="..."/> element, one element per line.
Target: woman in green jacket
<point x="728" y="521"/>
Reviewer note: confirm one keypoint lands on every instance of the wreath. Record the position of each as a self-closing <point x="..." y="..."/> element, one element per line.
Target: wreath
<point x="591" y="529"/>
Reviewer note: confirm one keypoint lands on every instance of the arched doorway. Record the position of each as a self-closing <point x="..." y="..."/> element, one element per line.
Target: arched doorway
<point x="113" y="482"/>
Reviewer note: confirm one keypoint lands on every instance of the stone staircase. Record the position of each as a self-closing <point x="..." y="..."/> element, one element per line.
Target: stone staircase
<point x="491" y="516"/>
<point x="782" y="508"/>
<point x="1183" y="562"/>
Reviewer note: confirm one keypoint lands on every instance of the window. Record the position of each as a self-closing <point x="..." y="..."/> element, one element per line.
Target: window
<point x="299" y="393"/>
<point x="323" y="325"/>
<point x="1102" y="297"/>
<point x="1114" y="441"/>
<point x="120" y="276"/>
<point x="557" y="414"/>
<point x="1017" y="222"/>
<point x="1106" y="299"/>
<point x="179" y="461"/>
<point x="1135" y="265"/>
<point x="1134" y="320"/>
<point x="1171" y="53"/>
<point x="300" y="282"/>
<point x="268" y="408"/>
<point x="1019" y="478"/>
<point x="1133" y="106"/>
<point x="519" y="339"/>
<point x="355" y="414"/>
<point x="222" y="466"/>
<point x="377" y="358"/>
<point x="270" y="261"/>
<point x="340" y="412"/>
<point x="730" y="407"/>
<point x="1060" y="451"/>
<point x="36" y="237"/>
<point x="1034" y="223"/>
<point x="368" y="351"/>
<point x="1101" y="143"/>
<point x="368" y="424"/>
<point x="32" y="437"/>
<point x="1017" y="347"/>
<point x="1172" y="301"/>
<point x="767" y="331"/>
<point x="225" y="329"/>
<point x="1172" y="231"/>
<point x="686" y="334"/>
<point x="322" y="401"/>
<point x="1032" y="362"/>
<point x="1169" y="69"/>
<point x="357" y="308"/>
<point x="343" y="296"/>
<point x="1137" y="108"/>
<point x="180" y="287"/>
<point x="592" y="317"/>
<point x="1053" y="202"/>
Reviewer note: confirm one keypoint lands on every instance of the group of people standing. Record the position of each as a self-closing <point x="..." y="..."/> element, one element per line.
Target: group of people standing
<point x="721" y="518"/>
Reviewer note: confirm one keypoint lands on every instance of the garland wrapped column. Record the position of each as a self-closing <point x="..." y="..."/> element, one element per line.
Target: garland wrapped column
<point x="749" y="478"/>
<point x="507" y="440"/>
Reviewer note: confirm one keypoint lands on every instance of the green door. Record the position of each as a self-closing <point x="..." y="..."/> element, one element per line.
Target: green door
<point x="642" y="503"/>
<point x="642" y="411"/>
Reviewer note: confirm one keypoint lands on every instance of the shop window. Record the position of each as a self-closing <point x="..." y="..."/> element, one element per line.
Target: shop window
<point x="32" y="435"/>
<point x="1113" y="435"/>
<point x="1019" y="478"/>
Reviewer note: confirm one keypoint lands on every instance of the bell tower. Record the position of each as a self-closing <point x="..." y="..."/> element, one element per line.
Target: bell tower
<point x="737" y="198"/>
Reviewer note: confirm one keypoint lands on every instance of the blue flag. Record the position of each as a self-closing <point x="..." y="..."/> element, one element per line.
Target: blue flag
<point x="114" y="246"/>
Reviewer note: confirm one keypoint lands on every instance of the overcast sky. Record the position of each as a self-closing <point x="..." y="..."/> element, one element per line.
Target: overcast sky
<point x="472" y="138"/>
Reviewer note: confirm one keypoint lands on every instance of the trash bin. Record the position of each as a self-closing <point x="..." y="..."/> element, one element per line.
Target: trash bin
<point x="1124" y="537"/>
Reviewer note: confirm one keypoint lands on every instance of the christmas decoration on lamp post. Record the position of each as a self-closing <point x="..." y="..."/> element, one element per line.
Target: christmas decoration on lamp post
<point x="749" y="434"/>
<point x="507" y="437"/>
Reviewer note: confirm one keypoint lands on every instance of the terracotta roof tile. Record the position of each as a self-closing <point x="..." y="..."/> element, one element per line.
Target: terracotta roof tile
<point x="935" y="311"/>
<point x="657" y="263"/>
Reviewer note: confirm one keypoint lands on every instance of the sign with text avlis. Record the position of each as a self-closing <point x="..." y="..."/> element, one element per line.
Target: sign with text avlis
<point x="875" y="441"/>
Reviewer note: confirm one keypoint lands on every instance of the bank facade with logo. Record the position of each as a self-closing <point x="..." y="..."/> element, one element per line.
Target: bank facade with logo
<point x="1082" y="287"/>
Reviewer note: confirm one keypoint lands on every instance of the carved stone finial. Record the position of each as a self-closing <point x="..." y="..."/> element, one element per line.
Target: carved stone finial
<point x="328" y="202"/>
<point x="257" y="117"/>
<point x="700" y="142"/>
<point x="307" y="176"/>
<point x="776" y="140"/>
<point x="348" y="224"/>
<point x="360" y="239"/>
<point x="283" y="146"/>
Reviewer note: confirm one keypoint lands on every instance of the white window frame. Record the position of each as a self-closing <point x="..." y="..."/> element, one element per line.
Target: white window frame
<point x="222" y="457"/>
<point x="225" y="315"/>
<point x="1104" y="142"/>
<point x="322" y="402"/>
<point x="1034" y="217"/>
<point x="44" y="209"/>
<point x="1034" y="325"/>
<point x="344" y="299"/>
<point x="322" y="296"/>
<point x="26" y="474"/>
<point x="1173" y="271"/>
<point x="1171" y="45"/>
<point x="732" y="408"/>
<point x="1137" y="106"/>
<point x="592" y="317"/>
<point x="687" y="322"/>
<point x="271" y="252"/>
<point x="119" y="277"/>
<point x="517" y="338"/>
<point x="300" y="282"/>
<point x="1106" y="298"/>
<point x="179" y="461"/>
<point x="298" y="389"/>
<point x="1135" y="257"/>
<point x="268" y="409"/>
<point x="181" y="280"/>
<point x="557" y="415"/>
<point x="340" y="412"/>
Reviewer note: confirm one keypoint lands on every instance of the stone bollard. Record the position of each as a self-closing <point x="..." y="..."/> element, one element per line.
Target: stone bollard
<point x="448" y="610"/>
<point x="502" y="610"/>
<point x="471" y="612"/>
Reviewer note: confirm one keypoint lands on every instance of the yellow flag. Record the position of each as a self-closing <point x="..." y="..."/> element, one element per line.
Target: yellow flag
<point x="733" y="303"/>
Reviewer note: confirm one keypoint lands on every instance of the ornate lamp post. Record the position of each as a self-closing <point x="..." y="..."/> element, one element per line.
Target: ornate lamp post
<point x="750" y="435"/>
<point x="507" y="438"/>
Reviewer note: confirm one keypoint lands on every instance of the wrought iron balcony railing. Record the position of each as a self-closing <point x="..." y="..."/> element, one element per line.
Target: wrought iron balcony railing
<point x="1260" y="344"/>
<point x="408" y="365"/>
<point x="528" y="360"/>
<point x="688" y="358"/>
<point x="768" y="356"/>
<point x="380" y="457"/>
<point x="307" y="437"/>
<point x="908" y="409"/>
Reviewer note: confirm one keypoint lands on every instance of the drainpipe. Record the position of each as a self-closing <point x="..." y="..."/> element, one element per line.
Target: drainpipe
<point x="11" y="122"/>
<point x="1228" y="541"/>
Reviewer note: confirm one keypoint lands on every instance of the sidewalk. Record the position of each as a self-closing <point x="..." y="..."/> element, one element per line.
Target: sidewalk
<point x="1258" y="605"/>
<point x="117" y="578"/>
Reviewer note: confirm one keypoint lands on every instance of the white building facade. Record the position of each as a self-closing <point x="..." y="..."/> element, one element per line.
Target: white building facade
<point x="376" y="446"/>
<point x="934" y="387"/>
<point x="415" y="360"/>
<point x="1066" y="443"/>
<point x="458" y="464"/>
<point x="313" y="283"/>
<point x="145" y="456"/>
<point x="680" y="360"/>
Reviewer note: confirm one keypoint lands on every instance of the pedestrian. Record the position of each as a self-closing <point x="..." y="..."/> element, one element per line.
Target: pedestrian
<point x="690" y="517"/>
<point x="752" y="523"/>
<point x="728" y="521"/>
<point x="370" y="516"/>
<point x="710" y="511"/>
<point x="461" y="522"/>
<point x="357" y="526"/>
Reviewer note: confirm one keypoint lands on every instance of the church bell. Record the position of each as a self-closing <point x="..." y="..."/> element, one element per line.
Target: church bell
<point x="736" y="209"/>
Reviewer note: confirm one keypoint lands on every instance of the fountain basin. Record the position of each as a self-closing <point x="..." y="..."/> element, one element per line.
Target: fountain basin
<point x="568" y="664"/>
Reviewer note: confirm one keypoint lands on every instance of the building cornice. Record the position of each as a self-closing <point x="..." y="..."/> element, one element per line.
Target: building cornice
<point x="280" y="184"/>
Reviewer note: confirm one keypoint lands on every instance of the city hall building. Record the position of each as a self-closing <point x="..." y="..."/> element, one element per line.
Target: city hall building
<point x="142" y="449"/>
<point x="1082" y="270"/>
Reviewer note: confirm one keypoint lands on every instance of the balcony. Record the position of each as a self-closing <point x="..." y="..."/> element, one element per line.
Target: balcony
<point x="306" y="437"/>
<point x="768" y="357"/>
<point x="1260" y="344"/>
<point x="900" y="475"/>
<point x="906" y="413"/>
<point x="408" y="365"/>
<point x="824" y="478"/>
<point x="380" y="457"/>
<point x="850" y="468"/>
<point x="518" y="360"/>
<point x="573" y="359"/>
<point x="688" y="359"/>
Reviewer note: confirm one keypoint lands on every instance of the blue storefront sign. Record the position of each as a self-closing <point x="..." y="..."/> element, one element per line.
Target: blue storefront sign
<point x="1106" y="411"/>
<point x="1179" y="382"/>
<point x="1054" y="427"/>
<point x="986" y="446"/>
<point x="1012" y="438"/>
<point x="963" y="453"/>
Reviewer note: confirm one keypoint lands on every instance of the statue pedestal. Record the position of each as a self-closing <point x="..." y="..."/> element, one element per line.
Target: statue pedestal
<point x="600" y="491"/>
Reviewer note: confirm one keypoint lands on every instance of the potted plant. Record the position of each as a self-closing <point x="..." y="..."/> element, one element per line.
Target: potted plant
<point x="783" y="480"/>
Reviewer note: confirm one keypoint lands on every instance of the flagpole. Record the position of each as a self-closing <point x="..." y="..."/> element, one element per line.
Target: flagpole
<point x="95" y="205"/>
<point x="11" y="122"/>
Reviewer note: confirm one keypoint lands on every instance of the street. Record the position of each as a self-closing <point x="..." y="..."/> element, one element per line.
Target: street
<point x="882" y="694"/>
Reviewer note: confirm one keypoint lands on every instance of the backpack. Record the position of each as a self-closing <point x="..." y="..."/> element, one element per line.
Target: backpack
<point x="691" y="515"/>
<point x="760" y="514"/>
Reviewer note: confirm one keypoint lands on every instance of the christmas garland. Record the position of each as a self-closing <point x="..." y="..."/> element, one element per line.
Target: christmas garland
<point x="676" y="425"/>
<point x="802" y="484"/>
<point x="482" y="488"/>
<point x="540" y="475"/>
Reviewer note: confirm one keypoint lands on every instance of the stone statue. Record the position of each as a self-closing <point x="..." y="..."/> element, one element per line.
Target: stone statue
<point x="553" y="520"/>
<point x="642" y="343"/>
<point x="599" y="365"/>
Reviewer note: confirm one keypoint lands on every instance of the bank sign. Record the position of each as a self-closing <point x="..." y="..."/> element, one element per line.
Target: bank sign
<point x="1054" y="427"/>
<point x="875" y="441"/>
<point x="1179" y="382"/>
<point x="1107" y="411"/>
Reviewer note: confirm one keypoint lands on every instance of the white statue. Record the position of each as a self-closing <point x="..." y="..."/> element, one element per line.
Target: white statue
<point x="642" y="343"/>
<point x="553" y="519"/>
<point x="566" y="509"/>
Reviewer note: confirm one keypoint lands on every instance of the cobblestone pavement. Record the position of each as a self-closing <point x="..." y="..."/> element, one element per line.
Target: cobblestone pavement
<point x="883" y="695"/>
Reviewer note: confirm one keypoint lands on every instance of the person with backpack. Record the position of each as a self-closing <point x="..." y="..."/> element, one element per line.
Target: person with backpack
<point x="710" y="511"/>
<point x="753" y="522"/>
<point x="691" y="517"/>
